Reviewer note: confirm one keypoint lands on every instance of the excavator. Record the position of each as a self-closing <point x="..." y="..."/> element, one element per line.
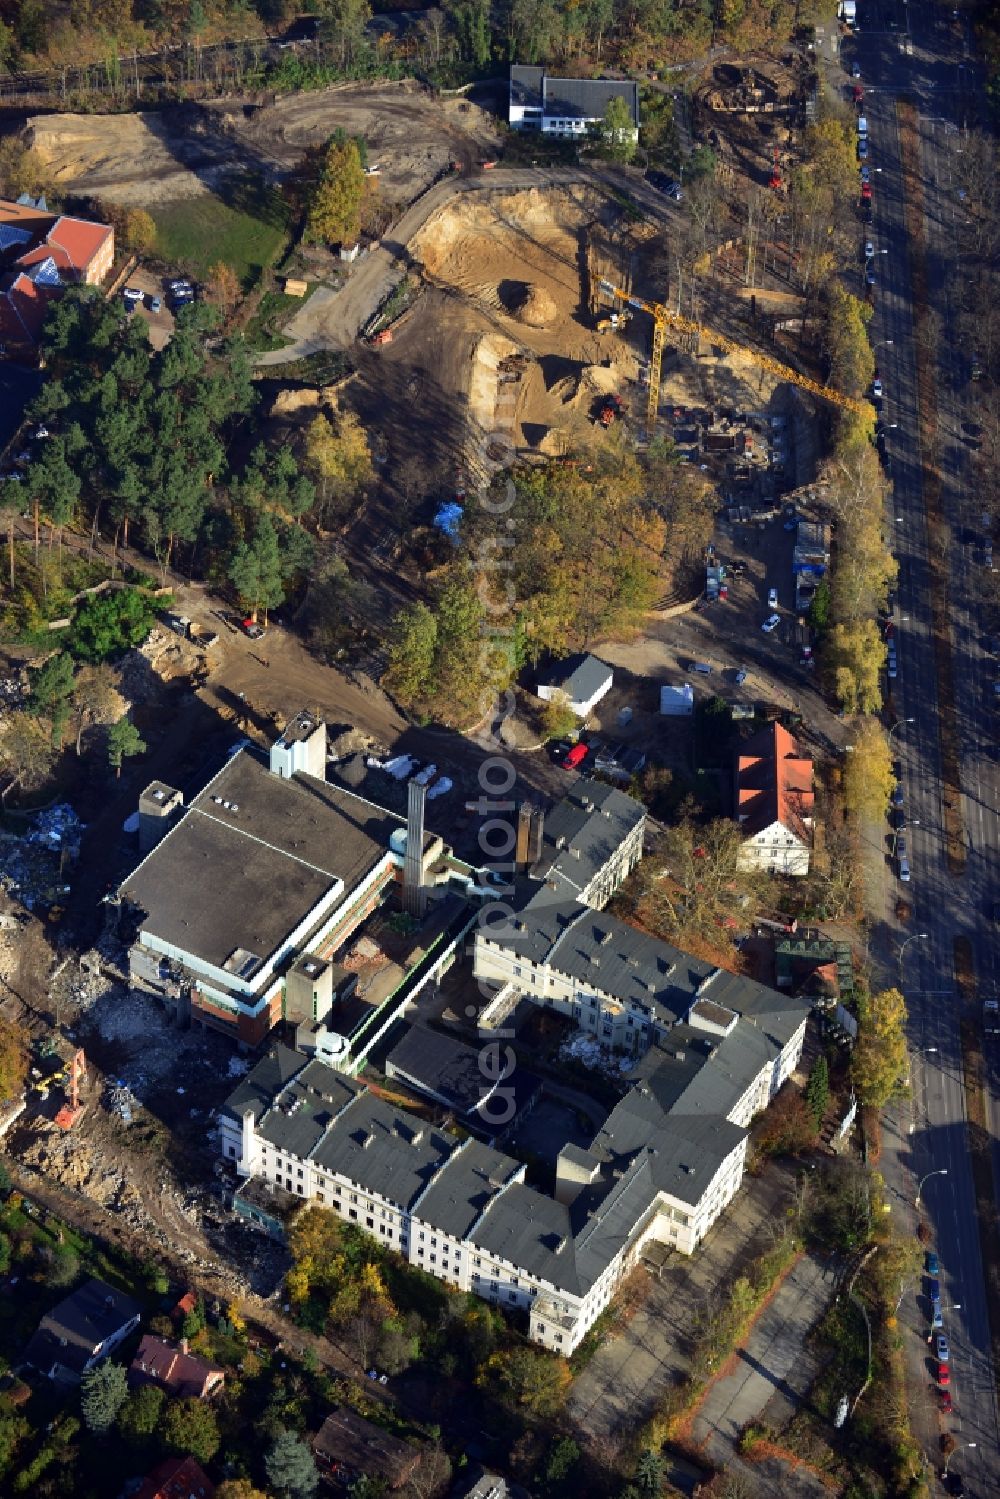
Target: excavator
<point x="664" y="318"/>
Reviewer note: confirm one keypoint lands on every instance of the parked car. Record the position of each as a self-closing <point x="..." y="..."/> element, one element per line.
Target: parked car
<point x="945" y="1402"/>
<point x="155" y="304"/>
<point x="934" y="1288"/>
<point x="772" y="598"/>
<point x="937" y="1319"/>
<point x="863" y="149"/>
<point x="869" y="247"/>
<point x="903" y="859"/>
<point x="943" y="1375"/>
<point x="855" y="70"/>
<point x="132" y="294"/>
<point x="741" y="676"/>
<point x="931" y="1264"/>
<point x="771" y="623"/>
<point x="576" y="756"/>
<point x="251" y="628"/>
<point x="942" y="1349"/>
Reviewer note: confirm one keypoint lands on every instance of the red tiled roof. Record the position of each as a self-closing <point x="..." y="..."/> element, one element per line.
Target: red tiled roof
<point x="177" y="1478"/>
<point x="78" y="239"/>
<point x="774" y="783"/>
<point x="180" y="1373"/>
<point x="23" y="306"/>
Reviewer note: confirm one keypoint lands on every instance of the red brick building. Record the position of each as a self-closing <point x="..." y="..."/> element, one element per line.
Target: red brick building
<point x="41" y="253"/>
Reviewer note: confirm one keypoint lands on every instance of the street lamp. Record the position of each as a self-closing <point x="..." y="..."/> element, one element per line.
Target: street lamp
<point x="941" y="1171"/>
<point x="917" y="937"/>
<point x="899" y="721"/>
<point x="952" y="1454"/>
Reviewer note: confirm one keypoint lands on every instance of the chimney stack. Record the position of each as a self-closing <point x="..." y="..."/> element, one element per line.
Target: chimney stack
<point x="413" y="861"/>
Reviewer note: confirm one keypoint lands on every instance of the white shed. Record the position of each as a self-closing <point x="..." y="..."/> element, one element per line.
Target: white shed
<point x="677" y="702"/>
<point x="584" y="680"/>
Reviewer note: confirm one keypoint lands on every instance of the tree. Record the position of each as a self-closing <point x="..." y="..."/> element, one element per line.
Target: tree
<point x="344" y="26"/>
<point x="868" y="779"/>
<point x="695" y="893"/>
<point x="26" y="753"/>
<point x="13" y="1060"/>
<point x="239" y="1488"/>
<point x="852" y="362"/>
<point x="255" y="569"/>
<point x="558" y="718"/>
<point x="290" y="1467"/>
<point x="222" y="286"/>
<point x="432" y="1475"/>
<point x="650" y="1472"/>
<point x="96" y="699"/>
<point x="338" y="457"/>
<point x="334" y="213"/>
<point x="141" y="1414"/>
<point x="880" y="1064"/>
<point x="102" y="1393"/>
<point x="124" y="741"/>
<point x="52" y="691"/>
<point x="107" y="624"/>
<point x="618" y="132"/>
<point x="412" y="649"/>
<point x="818" y="1089"/>
<point x="536" y="1382"/>
<point x="856" y="655"/>
<point x="62" y="1265"/>
<point x="190" y="1426"/>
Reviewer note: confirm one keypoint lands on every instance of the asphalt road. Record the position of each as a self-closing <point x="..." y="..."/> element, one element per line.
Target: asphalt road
<point x="929" y="1133"/>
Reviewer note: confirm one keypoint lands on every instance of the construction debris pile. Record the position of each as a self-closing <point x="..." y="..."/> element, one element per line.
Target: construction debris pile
<point x="33" y="867"/>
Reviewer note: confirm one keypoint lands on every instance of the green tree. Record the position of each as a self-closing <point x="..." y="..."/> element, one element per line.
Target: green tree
<point x="290" y="1467"/>
<point x="618" y="132"/>
<point x="14" y="1429"/>
<point x="107" y="624"/>
<point x="412" y="649"/>
<point x="190" y="1426"/>
<point x="124" y="741"/>
<point x="334" y="213"/>
<point x="62" y="1265"/>
<point x="818" y="1089"/>
<point x="558" y="718"/>
<point x="256" y="570"/>
<point x="140" y="1415"/>
<point x="52" y="691"/>
<point x="868" y="778"/>
<point x="338" y="457"/>
<point x="650" y="1472"/>
<point x="343" y="26"/>
<point x="880" y="1065"/>
<point x="819" y="609"/>
<point x="102" y="1393"/>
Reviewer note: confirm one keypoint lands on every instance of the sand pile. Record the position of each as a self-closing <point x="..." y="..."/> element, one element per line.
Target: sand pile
<point x="536" y="307"/>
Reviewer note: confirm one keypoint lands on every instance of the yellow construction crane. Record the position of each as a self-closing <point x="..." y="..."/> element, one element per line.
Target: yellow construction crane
<point x="663" y="319"/>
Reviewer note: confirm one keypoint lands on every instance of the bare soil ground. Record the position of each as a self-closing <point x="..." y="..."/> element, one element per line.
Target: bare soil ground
<point x="158" y="157"/>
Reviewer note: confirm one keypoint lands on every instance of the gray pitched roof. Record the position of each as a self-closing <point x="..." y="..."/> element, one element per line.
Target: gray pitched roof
<point x="578" y="676"/>
<point x="260" y="1085"/>
<point x="526" y="86"/>
<point x="71" y="1332"/>
<point x="533" y="1231"/>
<point x="306" y="1107"/>
<point x="583" y="831"/>
<point x="383" y="1149"/>
<point x="465" y="1186"/>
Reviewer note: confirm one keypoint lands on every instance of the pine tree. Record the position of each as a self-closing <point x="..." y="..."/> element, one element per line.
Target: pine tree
<point x="102" y="1394"/>
<point x="290" y="1467"/>
<point x="818" y="1090"/>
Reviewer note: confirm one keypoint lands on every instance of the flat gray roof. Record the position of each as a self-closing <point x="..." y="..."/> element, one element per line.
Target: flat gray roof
<point x="440" y="1065"/>
<point x="231" y="882"/>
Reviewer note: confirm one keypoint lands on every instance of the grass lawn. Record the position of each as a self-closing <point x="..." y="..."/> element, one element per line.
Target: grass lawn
<point x="246" y="226"/>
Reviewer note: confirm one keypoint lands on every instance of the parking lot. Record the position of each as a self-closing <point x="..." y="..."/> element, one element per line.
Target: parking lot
<point x="161" y="324"/>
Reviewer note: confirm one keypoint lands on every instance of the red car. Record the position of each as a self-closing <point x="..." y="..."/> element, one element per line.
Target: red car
<point x="944" y="1397"/>
<point x="943" y="1375"/>
<point x="250" y="627"/>
<point x="866" y="192"/>
<point x="575" y="756"/>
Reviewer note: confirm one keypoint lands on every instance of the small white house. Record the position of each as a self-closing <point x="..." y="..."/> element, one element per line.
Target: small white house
<point x="566" y="107"/>
<point x="677" y="702"/>
<point x="582" y="680"/>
